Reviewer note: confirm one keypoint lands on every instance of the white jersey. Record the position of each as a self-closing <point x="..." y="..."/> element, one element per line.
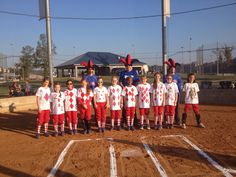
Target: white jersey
<point x="44" y="98"/>
<point x="114" y="93"/>
<point x="100" y="94"/>
<point x="144" y="95"/>
<point x="84" y="97"/>
<point x="191" y="90"/>
<point x="57" y="100"/>
<point x="70" y="99"/>
<point x="158" y="94"/>
<point x="130" y="93"/>
<point x="171" y="90"/>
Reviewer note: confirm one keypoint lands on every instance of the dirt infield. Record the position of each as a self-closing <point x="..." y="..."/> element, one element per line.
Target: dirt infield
<point x="24" y="156"/>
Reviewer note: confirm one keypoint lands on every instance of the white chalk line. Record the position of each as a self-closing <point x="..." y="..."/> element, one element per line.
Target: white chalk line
<point x="113" y="167"/>
<point x="225" y="171"/>
<point x="231" y="170"/>
<point x="60" y="159"/>
<point x="64" y="152"/>
<point x="154" y="159"/>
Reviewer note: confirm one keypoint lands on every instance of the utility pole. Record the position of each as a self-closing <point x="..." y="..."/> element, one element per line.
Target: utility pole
<point x="165" y="13"/>
<point x="49" y="40"/>
<point x="217" y="59"/>
<point x="182" y="58"/>
<point x="190" y="54"/>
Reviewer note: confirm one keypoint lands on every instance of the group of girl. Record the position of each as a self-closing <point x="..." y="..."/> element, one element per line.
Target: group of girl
<point x="159" y="96"/>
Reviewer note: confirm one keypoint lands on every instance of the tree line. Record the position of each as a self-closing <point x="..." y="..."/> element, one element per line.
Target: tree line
<point x="34" y="57"/>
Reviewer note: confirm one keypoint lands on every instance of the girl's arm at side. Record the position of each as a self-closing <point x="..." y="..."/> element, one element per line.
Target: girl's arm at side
<point x="37" y="102"/>
<point x="107" y="100"/>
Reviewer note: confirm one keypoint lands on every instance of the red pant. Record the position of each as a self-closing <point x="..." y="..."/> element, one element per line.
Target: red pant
<point x="158" y="110"/>
<point x="85" y="114"/>
<point x="58" y="118"/>
<point x="130" y="112"/>
<point x="143" y="111"/>
<point x="72" y="117"/>
<point x="115" y="114"/>
<point x="43" y="117"/>
<point x="170" y="110"/>
<point x="101" y="112"/>
<point x="195" y="107"/>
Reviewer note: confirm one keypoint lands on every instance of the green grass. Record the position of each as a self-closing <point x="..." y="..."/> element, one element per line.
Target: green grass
<point x="107" y="81"/>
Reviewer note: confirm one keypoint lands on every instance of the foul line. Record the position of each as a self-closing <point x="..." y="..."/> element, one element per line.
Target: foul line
<point x="113" y="168"/>
<point x="154" y="159"/>
<point x="225" y="171"/>
<point x="64" y="152"/>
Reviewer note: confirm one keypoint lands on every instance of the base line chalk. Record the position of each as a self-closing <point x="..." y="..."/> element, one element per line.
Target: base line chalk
<point x="154" y="159"/>
<point x="64" y="152"/>
<point x="225" y="171"/>
<point x="113" y="168"/>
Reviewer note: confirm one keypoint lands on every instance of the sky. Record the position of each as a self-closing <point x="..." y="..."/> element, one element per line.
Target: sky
<point x="142" y="38"/>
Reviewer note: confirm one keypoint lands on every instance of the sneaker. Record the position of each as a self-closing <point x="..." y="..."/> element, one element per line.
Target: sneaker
<point x="128" y="128"/>
<point x="159" y="127"/>
<point x="89" y="131"/>
<point x="170" y="126"/>
<point x="46" y="134"/>
<point x="103" y="130"/>
<point x="118" y="128"/>
<point x="141" y="127"/>
<point x="201" y="125"/>
<point x="71" y="132"/>
<point x="132" y="128"/>
<point x="155" y="127"/>
<point x="56" y="134"/>
<point x="62" y="133"/>
<point x="112" y="128"/>
<point x="148" y="127"/>
<point x="100" y="130"/>
<point x="75" y="131"/>
<point x="37" y="136"/>
<point x="184" y="126"/>
<point x="85" y="132"/>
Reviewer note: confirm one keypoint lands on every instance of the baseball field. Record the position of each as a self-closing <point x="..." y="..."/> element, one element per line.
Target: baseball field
<point x="140" y="153"/>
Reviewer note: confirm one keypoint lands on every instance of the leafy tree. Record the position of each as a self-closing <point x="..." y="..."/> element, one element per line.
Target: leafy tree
<point x="227" y="53"/>
<point x="41" y="59"/>
<point x="26" y="60"/>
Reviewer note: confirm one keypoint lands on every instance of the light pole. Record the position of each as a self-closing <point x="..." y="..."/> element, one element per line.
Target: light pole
<point x="13" y="59"/>
<point x="182" y="58"/>
<point x="190" y="60"/>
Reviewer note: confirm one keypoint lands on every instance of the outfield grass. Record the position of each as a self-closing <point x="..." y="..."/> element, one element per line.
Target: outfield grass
<point x="107" y="80"/>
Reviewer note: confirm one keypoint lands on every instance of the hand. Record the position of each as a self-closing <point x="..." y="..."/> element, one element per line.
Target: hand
<point x="95" y="105"/>
<point x="107" y="106"/>
<point x="85" y="106"/>
<point x="121" y="105"/>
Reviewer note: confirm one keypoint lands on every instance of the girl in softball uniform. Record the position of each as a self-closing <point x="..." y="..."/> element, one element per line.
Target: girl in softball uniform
<point x="57" y="108"/>
<point x="144" y="101"/>
<point x="171" y="100"/>
<point x="71" y="106"/>
<point x="116" y="102"/>
<point x="130" y="95"/>
<point x="85" y="96"/>
<point x="43" y="102"/>
<point x="101" y="102"/>
<point x="158" y="91"/>
<point x="191" y="90"/>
